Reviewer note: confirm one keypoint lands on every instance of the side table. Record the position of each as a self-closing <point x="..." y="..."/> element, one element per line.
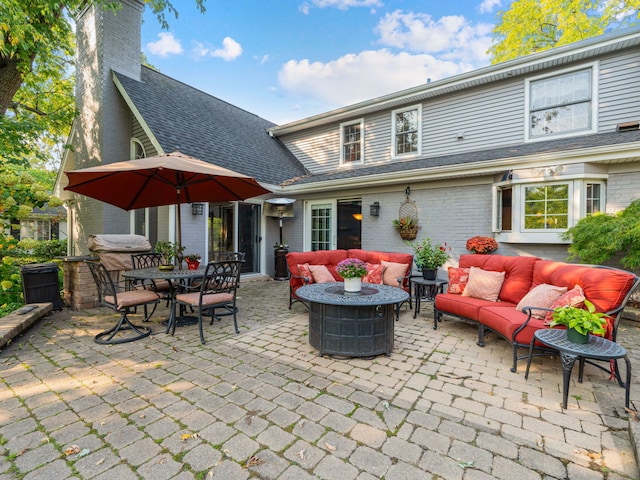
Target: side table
<point x="598" y="348"/>
<point x="425" y="289"/>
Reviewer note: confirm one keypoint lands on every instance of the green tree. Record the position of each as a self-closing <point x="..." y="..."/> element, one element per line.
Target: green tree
<point x="37" y="105"/>
<point x="531" y="26"/>
<point x="37" y="45"/>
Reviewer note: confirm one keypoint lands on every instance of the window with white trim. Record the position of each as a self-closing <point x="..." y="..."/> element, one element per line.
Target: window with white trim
<point x="406" y="131"/>
<point x="561" y="105"/>
<point x="540" y="212"/>
<point x="38" y="229"/>
<point x="352" y="142"/>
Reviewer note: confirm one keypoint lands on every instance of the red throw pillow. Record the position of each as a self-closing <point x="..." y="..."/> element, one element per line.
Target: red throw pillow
<point x="321" y="274"/>
<point x="304" y="271"/>
<point x="458" y="278"/>
<point x="572" y="298"/>
<point x="374" y="273"/>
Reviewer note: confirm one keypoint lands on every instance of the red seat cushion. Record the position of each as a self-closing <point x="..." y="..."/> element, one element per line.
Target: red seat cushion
<point x="467" y="307"/>
<point x="506" y="321"/>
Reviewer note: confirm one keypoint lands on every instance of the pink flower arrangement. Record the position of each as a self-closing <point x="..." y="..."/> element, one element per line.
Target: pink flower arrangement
<point x="482" y="244"/>
<point x="351" y="268"/>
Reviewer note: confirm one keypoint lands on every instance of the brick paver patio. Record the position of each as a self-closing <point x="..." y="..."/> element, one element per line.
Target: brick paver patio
<point x="262" y="404"/>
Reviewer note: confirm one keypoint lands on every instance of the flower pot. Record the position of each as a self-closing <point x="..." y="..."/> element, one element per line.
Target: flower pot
<point x="192" y="264"/>
<point x="352" y="284"/>
<point x="429" y="273"/>
<point x="166" y="268"/>
<point x="574" y="336"/>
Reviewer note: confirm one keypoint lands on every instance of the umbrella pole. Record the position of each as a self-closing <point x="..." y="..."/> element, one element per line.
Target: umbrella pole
<point x="179" y="235"/>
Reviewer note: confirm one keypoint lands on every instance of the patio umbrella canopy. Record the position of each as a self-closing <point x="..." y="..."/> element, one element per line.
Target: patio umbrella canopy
<point x="169" y="179"/>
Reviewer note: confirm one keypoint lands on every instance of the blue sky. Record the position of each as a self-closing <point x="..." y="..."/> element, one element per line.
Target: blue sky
<point x="289" y="59"/>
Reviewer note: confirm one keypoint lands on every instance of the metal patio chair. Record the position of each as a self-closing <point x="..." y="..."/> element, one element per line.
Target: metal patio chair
<point x="217" y="290"/>
<point x="125" y="302"/>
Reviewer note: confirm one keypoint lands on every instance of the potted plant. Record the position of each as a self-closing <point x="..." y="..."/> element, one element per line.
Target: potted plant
<point x="352" y="270"/>
<point x="482" y="245"/>
<point x="429" y="257"/>
<point x="407" y="227"/>
<point x="193" y="260"/>
<point x="580" y="322"/>
<point x="169" y="252"/>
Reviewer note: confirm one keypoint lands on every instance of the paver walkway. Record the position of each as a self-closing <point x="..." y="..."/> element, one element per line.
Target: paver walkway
<point x="262" y="404"/>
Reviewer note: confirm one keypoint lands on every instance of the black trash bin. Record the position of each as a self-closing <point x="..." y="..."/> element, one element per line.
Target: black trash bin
<point x="40" y="284"/>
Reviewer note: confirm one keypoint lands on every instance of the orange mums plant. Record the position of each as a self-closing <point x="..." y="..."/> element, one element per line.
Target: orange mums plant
<point x="482" y="244"/>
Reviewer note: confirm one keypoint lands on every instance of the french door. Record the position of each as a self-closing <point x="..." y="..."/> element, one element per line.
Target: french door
<point x="331" y="224"/>
<point x="320" y="232"/>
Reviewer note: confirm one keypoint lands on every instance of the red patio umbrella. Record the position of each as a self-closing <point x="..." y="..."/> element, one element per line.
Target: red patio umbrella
<point x="169" y="179"/>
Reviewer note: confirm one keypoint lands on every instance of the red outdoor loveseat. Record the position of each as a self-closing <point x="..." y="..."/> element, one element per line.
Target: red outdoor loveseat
<point x="396" y="267"/>
<point x="609" y="289"/>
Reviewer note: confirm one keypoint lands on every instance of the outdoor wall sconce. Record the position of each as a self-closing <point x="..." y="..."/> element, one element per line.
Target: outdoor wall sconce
<point x="197" y="209"/>
<point x="374" y="209"/>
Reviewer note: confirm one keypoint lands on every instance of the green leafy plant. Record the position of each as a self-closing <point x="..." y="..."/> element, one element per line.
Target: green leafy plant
<point x="192" y="257"/>
<point x="600" y="237"/>
<point x="430" y="256"/>
<point x="404" y="223"/>
<point x="583" y="320"/>
<point x="168" y="250"/>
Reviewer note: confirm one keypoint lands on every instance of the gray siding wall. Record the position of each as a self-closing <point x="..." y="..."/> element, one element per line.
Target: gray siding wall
<point x="619" y="90"/>
<point x="489" y="117"/>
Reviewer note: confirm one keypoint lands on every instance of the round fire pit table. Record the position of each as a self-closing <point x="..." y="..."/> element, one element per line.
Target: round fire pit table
<point x="351" y="324"/>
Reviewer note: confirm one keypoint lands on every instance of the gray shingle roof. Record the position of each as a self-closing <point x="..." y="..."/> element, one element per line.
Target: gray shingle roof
<point x="512" y="151"/>
<point x="205" y="127"/>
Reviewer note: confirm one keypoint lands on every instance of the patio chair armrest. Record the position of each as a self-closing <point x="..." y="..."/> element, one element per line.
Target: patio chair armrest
<point x="305" y="280"/>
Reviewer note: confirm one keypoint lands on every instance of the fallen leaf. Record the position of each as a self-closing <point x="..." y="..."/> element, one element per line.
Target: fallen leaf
<point x="330" y="447"/>
<point x="385" y="404"/>
<point x="185" y="436"/>
<point x="632" y="413"/>
<point x="301" y="453"/>
<point x="465" y="464"/>
<point x="101" y="461"/>
<point x="301" y="423"/>
<point x="44" y="440"/>
<point x="253" y="461"/>
<point x="72" y="450"/>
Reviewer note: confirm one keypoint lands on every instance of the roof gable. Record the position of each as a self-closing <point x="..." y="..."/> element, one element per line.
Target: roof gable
<point x="183" y="118"/>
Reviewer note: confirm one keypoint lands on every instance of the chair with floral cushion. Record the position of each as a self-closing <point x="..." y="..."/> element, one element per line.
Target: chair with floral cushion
<point x="125" y="302"/>
<point x="217" y="289"/>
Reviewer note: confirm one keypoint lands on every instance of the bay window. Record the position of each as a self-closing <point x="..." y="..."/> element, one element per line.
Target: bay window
<point x="539" y="212"/>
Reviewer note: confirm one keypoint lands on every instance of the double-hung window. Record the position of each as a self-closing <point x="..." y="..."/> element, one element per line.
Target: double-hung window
<point x="406" y="131"/>
<point x="352" y="142"/>
<point x="561" y="105"/>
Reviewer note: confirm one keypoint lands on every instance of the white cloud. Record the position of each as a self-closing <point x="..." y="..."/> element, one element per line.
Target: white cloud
<point x="418" y="48"/>
<point x="230" y="50"/>
<point x="165" y="46"/>
<point x="356" y="77"/>
<point x="451" y="37"/>
<point x="487" y="6"/>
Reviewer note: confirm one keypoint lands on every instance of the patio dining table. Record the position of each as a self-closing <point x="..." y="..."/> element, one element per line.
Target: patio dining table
<point x="176" y="279"/>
